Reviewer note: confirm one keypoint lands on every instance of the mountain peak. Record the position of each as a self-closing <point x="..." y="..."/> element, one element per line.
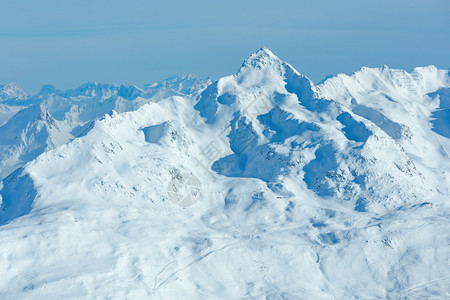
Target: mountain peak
<point x="351" y="174"/>
<point x="261" y="59"/>
<point x="47" y="89"/>
<point x="265" y="51"/>
<point x="11" y="91"/>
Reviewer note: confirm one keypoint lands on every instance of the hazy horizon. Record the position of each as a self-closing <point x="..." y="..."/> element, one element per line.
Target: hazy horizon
<point x="67" y="44"/>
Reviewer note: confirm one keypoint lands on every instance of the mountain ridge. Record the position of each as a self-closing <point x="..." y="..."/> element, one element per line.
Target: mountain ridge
<point x="287" y="187"/>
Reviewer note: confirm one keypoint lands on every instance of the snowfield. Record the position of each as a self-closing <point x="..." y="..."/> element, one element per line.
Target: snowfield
<point x="260" y="185"/>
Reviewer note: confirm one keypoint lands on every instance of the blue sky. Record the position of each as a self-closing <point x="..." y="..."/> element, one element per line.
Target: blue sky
<point x="68" y="42"/>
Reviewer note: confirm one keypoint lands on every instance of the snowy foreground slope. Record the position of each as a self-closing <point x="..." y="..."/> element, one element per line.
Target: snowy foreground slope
<point x="259" y="185"/>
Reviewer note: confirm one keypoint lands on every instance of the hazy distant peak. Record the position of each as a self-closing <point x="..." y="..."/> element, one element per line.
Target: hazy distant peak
<point x="12" y="91"/>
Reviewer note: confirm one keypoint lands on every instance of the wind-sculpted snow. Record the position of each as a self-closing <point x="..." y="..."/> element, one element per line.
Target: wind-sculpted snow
<point x="259" y="185"/>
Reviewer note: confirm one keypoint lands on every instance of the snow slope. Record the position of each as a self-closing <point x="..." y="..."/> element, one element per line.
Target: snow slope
<point x="261" y="184"/>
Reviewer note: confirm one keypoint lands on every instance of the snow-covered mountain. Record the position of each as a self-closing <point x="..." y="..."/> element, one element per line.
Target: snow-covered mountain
<point x="12" y="92"/>
<point x="54" y="117"/>
<point x="260" y="184"/>
<point x="12" y="99"/>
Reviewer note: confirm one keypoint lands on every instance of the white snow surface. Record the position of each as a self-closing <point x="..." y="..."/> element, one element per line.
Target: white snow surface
<point x="260" y="185"/>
